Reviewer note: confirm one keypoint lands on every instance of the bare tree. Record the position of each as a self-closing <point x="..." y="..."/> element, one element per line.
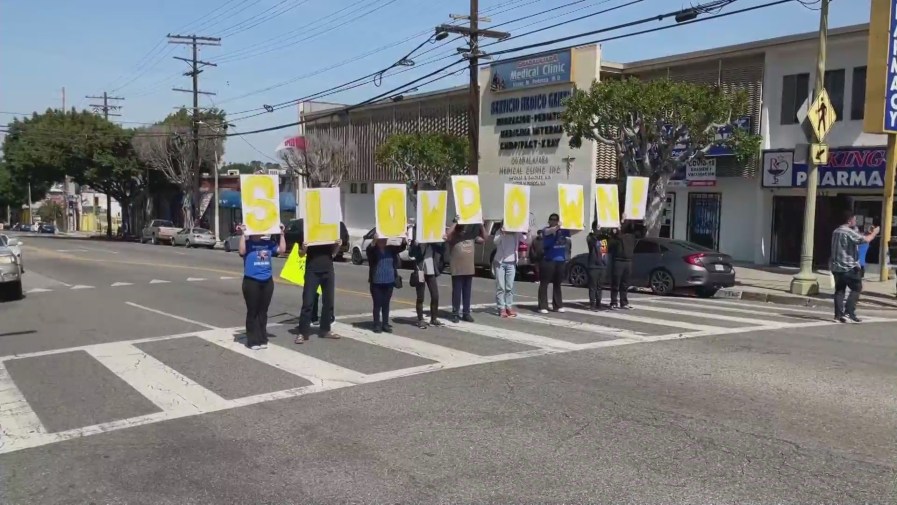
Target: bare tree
<point x="325" y="160"/>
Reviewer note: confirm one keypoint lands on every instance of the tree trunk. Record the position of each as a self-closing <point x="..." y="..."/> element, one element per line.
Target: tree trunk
<point x="657" y="197"/>
<point x="108" y="216"/>
<point x="125" y="217"/>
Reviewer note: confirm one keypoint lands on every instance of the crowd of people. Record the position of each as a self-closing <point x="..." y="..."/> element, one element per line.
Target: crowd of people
<point x="609" y="261"/>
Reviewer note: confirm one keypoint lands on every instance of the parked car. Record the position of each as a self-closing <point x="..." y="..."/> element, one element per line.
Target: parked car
<point x="360" y="246"/>
<point x="14" y="245"/>
<point x="47" y="228"/>
<point x="667" y="265"/>
<point x="484" y="254"/>
<point x="10" y="274"/>
<point x="232" y="243"/>
<point x="158" y="231"/>
<point x="194" y="237"/>
<point x="294" y="228"/>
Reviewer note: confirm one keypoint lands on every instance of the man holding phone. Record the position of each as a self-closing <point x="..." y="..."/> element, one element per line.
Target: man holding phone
<point x="846" y="267"/>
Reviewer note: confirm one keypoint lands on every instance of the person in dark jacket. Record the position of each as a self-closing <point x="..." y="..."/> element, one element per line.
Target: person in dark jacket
<point x="383" y="262"/>
<point x="599" y="260"/>
<point x="622" y="250"/>
<point x="428" y="260"/>
<point x="536" y="253"/>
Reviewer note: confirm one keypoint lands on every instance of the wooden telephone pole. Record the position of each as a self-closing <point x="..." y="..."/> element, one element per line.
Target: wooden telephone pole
<point x="105" y="108"/>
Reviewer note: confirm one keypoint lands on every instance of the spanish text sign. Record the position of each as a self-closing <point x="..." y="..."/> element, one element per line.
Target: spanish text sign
<point x="391" y="214"/>
<point x="636" y="198"/>
<point x="607" y="205"/>
<point x="430" y="222"/>
<point x="516" y="206"/>
<point x="322" y="216"/>
<point x="571" y="204"/>
<point x="260" y="198"/>
<point x="466" y="189"/>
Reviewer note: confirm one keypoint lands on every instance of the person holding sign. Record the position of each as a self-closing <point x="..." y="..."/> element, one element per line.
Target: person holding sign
<point x="258" y="285"/>
<point x="599" y="259"/>
<point x="383" y="262"/>
<point x="461" y="239"/>
<point x="318" y="273"/>
<point x="623" y="250"/>
<point x="556" y="242"/>
<point x="504" y="267"/>
<point x="427" y="263"/>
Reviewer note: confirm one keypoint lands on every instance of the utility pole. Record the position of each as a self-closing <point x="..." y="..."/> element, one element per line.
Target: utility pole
<point x="805" y="282"/>
<point x="472" y="53"/>
<point x="196" y="66"/>
<point x="105" y="108"/>
<point x="65" y="185"/>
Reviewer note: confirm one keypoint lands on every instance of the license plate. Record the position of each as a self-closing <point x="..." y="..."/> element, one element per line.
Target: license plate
<point x="719" y="268"/>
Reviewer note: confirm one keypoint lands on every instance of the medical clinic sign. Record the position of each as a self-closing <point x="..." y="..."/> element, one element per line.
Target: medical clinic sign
<point x="538" y="70"/>
<point x="848" y="167"/>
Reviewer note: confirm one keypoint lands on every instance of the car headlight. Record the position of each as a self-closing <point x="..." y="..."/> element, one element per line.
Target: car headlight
<point x="7" y="260"/>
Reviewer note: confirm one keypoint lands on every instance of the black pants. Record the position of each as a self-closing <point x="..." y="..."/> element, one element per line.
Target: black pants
<point x="314" y="310"/>
<point x="258" y="297"/>
<point x="551" y="272"/>
<point x="309" y="296"/>
<point x="431" y="286"/>
<point x="461" y="285"/>
<point x="596" y="277"/>
<point x="843" y="281"/>
<point x="382" y="294"/>
<point x="619" y="282"/>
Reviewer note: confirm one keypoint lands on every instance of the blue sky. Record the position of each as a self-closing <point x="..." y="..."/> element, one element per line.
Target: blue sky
<point x="89" y="46"/>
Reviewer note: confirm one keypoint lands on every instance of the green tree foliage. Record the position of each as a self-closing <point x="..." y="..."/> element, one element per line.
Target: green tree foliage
<point x="646" y="120"/>
<point x="425" y="160"/>
<point x="51" y="212"/>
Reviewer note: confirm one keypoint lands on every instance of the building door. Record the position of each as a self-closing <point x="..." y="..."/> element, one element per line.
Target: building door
<point x="666" y="218"/>
<point x="787" y="229"/>
<point x="704" y="219"/>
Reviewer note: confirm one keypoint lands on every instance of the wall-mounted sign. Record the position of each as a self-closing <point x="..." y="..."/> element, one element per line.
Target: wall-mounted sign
<point x="847" y="167"/>
<point x="539" y="70"/>
<point x="698" y="172"/>
<point x="723" y="133"/>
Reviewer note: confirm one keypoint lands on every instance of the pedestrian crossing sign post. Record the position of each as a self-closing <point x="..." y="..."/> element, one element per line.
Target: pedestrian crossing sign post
<point x="819" y="154"/>
<point x="822" y="115"/>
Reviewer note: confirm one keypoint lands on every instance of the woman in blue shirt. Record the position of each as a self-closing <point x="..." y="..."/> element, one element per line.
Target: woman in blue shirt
<point x="258" y="285"/>
<point x="383" y="260"/>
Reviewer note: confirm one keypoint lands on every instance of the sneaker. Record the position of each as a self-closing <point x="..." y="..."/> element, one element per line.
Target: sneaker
<point x="841" y="319"/>
<point x="387" y="327"/>
<point x="327" y="334"/>
<point x="854" y="318"/>
<point x="456" y="319"/>
<point x="594" y="308"/>
<point x="316" y="323"/>
<point x="378" y="328"/>
<point x="562" y="310"/>
<point x="613" y="306"/>
<point x="503" y="313"/>
<point x="512" y="312"/>
<point x="264" y="346"/>
<point x="422" y="324"/>
<point x="543" y="311"/>
<point x="256" y="347"/>
<point x="436" y="322"/>
<point x="626" y="307"/>
<point x="467" y="317"/>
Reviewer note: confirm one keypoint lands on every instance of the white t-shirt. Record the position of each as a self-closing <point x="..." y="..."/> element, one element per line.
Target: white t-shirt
<point x="506" y="247"/>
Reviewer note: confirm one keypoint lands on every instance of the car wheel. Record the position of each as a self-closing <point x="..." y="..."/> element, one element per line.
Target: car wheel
<point x="226" y="246"/>
<point x="15" y="291"/>
<point x="662" y="282"/>
<point x="188" y="245"/>
<point x="357" y="259"/>
<point x="490" y="271"/>
<point x="154" y="240"/>
<point x="706" y="291"/>
<point x="339" y="257"/>
<point x="579" y="276"/>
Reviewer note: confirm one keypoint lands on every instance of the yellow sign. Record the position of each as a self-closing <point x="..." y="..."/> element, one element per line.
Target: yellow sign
<point x="430" y="223"/>
<point x="822" y="115"/>
<point x="878" y="61"/>
<point x="571" y="204"/>
<point x="294" y="269"/>
<point x="391" y="215"/>
<point x="260" y="198"/>
<point x="516" y="215"/>
<point x="607" y="205"/>
<point x="819" y="154"/>
<point x="466" y="189"/>
<point x="322" y="216"/>
<point x="636" y="198"/>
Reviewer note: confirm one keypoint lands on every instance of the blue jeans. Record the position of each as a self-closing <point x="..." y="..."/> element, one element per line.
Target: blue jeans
<point x="504" y="284"/>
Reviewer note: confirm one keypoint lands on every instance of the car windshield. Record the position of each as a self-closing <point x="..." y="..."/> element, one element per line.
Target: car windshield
<point x="691" y="246"/>
<point x="201" y="231"/>
<point x="168" y="224"/>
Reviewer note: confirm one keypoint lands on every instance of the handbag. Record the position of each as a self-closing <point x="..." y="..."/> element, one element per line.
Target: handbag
<point x="414" y="280"/>
<point x="398" y="281"/>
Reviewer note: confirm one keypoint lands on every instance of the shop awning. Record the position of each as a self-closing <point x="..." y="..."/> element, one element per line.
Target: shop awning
<point x="230" y="199"/>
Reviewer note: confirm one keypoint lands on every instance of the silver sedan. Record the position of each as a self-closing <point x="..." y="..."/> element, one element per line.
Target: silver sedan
<point x="195" y="237"/>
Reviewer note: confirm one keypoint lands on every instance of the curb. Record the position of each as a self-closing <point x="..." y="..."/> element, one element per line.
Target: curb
<point x="799" y="301"/>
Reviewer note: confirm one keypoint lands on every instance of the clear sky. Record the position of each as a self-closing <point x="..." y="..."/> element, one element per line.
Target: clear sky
<point x="273" y="51"/>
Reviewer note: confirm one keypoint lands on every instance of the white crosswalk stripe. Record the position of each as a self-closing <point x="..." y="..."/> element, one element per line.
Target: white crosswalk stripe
<point x="177" y="394"/>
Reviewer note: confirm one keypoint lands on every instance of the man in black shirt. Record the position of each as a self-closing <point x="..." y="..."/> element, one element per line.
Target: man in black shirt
<point x="318" y="272"/>
<point x="622" y="250"/>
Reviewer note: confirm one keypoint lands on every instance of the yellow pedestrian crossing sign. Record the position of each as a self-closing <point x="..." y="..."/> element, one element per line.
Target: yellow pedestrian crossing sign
<point x="822" y="115"/>
<point x="819" y="154"/>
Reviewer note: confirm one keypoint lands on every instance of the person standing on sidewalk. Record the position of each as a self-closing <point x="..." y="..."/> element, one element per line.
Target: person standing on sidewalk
<point x="461" y="240"/>
<point x="622" y="251"/>
<point x="318" y="272"/>
<point x="846" y="266"/>
<point x="258" y="284"/>
<point x="383" y="261"/>
<point x="427" y="263"/>
<point x="504" y="267"/>
<point x="598" y="263"/>
<point x="556" y="243"/>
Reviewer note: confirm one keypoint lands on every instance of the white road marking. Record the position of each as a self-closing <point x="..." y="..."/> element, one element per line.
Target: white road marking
<point x="38" y="290"/>
<point x="582" y="326"/>
<point x="117" y="284"/>
<point x="82" y="286"/>
<point x="71" y="250"/>
<point x="624" y="315"/>
<point x="705" y="304"/>
<point x="165" y="387"/>
<point x="407" y="345"/>
<point x="514" y="336"/>
<point x="195" y="279"/>
<point x="173" y="316"/>
<point x="664" y="310"/>
<point x="18" y="422"/>
<point x="159" y="281"/>
<point x="765" y="313"/>
<point x="227" y="277"/>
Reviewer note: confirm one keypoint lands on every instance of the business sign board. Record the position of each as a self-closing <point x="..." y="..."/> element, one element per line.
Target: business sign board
<point x="847" y="167"/>
<point x="722" y="133"/>
<point x="697" y="172"/>
<point x="539" y="70"/>
<point x="881" y="72"/>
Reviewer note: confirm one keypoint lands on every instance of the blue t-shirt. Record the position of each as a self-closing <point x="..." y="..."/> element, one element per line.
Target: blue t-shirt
<point x="862" y="250"/>
<point x="257" y="262"/>
<point x="555" y="245"/>
<point x="386" y="271"/>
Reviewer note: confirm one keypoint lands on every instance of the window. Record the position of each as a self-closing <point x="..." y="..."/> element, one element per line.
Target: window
<point x="364" y="188"/>
<point x="858" y="94"/>
<point x="647" y="247"/>
<point x="834" y="84"/>
<point x="795" y="90"/>
<point x="353" y="188"/>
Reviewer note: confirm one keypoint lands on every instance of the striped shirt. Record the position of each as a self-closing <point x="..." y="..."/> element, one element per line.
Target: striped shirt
<point x="845" y="242"/>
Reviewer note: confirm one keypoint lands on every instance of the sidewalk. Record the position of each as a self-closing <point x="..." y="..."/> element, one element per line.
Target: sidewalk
<point x="772" y="284"/>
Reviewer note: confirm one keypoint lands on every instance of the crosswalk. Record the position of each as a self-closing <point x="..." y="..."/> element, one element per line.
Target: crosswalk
<point x="52" y="286"/>
<point x="137" y="382"/>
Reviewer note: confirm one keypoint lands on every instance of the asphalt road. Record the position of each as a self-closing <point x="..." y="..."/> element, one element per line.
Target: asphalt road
<point x="123" y="380"/>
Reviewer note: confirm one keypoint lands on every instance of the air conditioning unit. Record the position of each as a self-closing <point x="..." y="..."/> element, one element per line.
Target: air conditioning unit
<point x="233" y="172"/>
